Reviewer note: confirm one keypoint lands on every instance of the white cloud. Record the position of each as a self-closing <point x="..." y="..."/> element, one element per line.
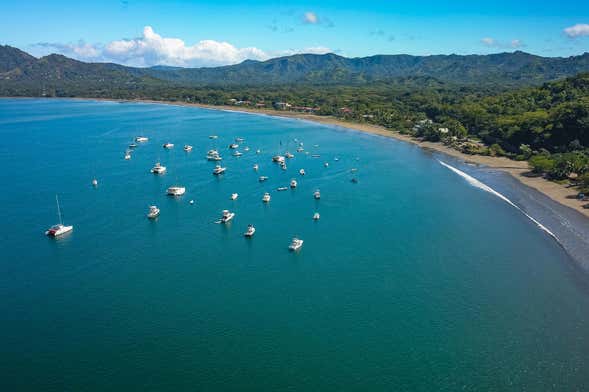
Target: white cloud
<point x="516" y="43"/>
<point x="578" y="30"/>
<point x="153" y="49"/>
<point x="310" y="18"/>
<point x="488" y="41"/>
<point x="493" y="43"/>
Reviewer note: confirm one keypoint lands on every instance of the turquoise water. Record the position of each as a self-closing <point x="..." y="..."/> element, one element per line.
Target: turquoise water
<point x="412" y="279"/>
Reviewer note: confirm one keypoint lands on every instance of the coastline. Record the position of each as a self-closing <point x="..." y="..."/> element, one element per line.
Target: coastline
<point x="516" y="169"/>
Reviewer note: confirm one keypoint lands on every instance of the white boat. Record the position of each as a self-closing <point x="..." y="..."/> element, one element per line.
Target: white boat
<point x="246" y="149"/>
<point x="326" y="164"/>
<point x="127" y="156"/>
<point x="234" y="196"/>
<point x="278" y="158"/>
<point x="336" y="159"/>
<point x="293" y="183"/>
<point x="227" y="216"/>
<point x="283" y="166"/>
<point x="282" y="188"/>
<point x="176" y="190"/>
<point x="315" y="156"/>
<point x="213" y="136"/>
<point x="60" y="228"/>
<point x="187" y="148"/>
<point x="213" y="152"/>
<point x="168" y="146"/>
<point x="214" y="157"/>
<point x="288" y="155"/>
<point x="158" y="168"/>
<point x="258" y="151"/>
<point x="141" y="139"/>
<point x="317" y="194"/>
<point x="250" y="231"/>
<point x="302" y="172"/>
<point x="316" y="216"/>
<point x="256" y="167"/>
<point x="266" y="197"/>
<point x="239" y="139"/>
<point x="219" y="170"/>
<point x="233" y="146"/>
<point x="295" y="244"/>
<point x="153" y="213"/>
<point x="191" y="202"/>
<point x="300" y="149"/>
<point x="262" y="178"/>
<point x="95" y="182"/>
<point x="237" y="154"/>
<point x="132" y="145"/>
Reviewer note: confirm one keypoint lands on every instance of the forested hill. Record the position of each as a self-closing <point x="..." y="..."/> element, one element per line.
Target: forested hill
<point x="19" y="69"/>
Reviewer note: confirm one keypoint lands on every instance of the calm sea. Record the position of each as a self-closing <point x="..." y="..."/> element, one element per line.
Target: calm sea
<point x="412" y="280"/>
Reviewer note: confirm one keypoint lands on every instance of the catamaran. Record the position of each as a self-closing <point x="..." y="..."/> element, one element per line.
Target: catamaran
<point x="158" y="168"/>
<point x="176" y="190"/>
<point x="59" y="229"/>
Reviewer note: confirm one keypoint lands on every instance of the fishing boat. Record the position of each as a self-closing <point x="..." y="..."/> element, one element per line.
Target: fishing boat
<point x="141" y="139"/>
<point x="176" y="191"/>
<point x="187" y="148"/>
<point x="158" y="168"/>
<point x="256" y="167"/>
<point x="293" y="183"/>
<point x="282" y="188"/>
<point x="219" y="170"/>
<point x="227" y="216"/>
<point x="302" y="172"/>
<point x="266" y="197"/>
<point x="153" y="213"/>
<point x="95" y="182"/>
<point x="60" y="228"/>
<point x="316" y="216"/>
<point x="295" y="244"/>
<point x="233" y="146"/>
<point x="168" y="146"/>
<point x="262" y="178"/>
<point x="250" y="231"/>
<point x="234" y="196"/>
<point x="317" y="194"/>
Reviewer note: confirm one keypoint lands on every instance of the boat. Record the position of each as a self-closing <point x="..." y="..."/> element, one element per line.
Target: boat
<point x="289" y="155"/>
<point x="153" y="213"/>
<point x="353" y="170"/>
<point x="302" y="172"/>
<point x="300" y="149"/>
<point x="234" y="196"/>
<point x="237" y="154"/>
<point x="250" y="231"/>
<point x="262" y="178"/>
<point x="283" y="166"/>
<point x="282" y="188"/>
<point x="316" y="216"/>
<point x="187" y="148"/>
<point x="60" y="228"/>
<point x="127" y="156"/>
<point x="336" y="159"/>
<point x="191" y="201"/>
<point x="315" y="155"/>
<point x="213" y="152"/>
<point x="176" y="191"/>
<point x="213" y="136"/>
<point x="227" y="216"/>
<point x="326" y="164"/>
<point x="266" y="197"/>
<point x="233" y="146"/>
<point x="256" y="167"/>
<point x="158" y="168"/>
<point x="295" y="244"/>
<point x="246" y="149"/>
<point x="95" y="182"/>
<point x="132" y="145"/>
<point x="354" y="180"/>
<point x="214" y="157"/>
<point x="315" y="145"/>
<point x="168" y="146"/>
<point x="293" y="183"/>
<point x="317" y="194"/>
<point x="141" y="139"/>
<point x="239" y="139"/>
<point x="278" y="159"/>
<point x="258" y="151"/>
<point x="219" y="170"/>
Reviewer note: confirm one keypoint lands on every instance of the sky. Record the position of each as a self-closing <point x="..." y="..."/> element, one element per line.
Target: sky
<point x="212" y="33"/>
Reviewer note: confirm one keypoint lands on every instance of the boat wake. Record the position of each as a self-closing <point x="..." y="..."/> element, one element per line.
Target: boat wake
<point x="476" y="183"/>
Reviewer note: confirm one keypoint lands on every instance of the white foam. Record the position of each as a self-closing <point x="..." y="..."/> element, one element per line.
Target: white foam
<point x="476" y="183"/>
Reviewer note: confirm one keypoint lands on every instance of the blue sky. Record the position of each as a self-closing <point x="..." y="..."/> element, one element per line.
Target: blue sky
<point x="202" y="33"/>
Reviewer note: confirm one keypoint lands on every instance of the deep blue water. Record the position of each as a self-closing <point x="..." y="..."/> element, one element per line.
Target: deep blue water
<point x="412" y="279"/>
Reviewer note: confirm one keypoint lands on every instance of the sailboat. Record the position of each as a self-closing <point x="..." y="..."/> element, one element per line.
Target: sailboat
<point x="59" y="229"/>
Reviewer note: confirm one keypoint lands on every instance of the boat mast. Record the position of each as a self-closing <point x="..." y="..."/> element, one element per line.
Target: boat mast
<point x="58" y="210"/>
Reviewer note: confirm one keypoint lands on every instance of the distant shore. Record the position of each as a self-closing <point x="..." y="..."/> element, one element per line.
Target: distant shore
<point x="517" y="169"/>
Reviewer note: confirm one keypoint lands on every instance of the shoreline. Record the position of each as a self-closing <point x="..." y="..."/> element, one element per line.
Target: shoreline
<point x="516" y="169"/>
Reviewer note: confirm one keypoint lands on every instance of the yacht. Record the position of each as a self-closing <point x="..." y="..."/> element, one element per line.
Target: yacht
<point x="266" y="197"/>
<point x="176" y="191"/>
<point x="233" y="146"/>
<point x="158" y="169"/>
<point x="213" y="152"/>
<point x="95" y="182"/>
<point x="227" y="216"/>
<point x="213" y="136"/>
<point x="168" y="146"/>
<point x="127" y="156"/>
<point x="214" y="157"/>
<point x="289" y="155"/>
<point x="153" y="213"/>
<point x="278" y="158"/>
<point x="187" y="148"/>
<point x="317" y="194"/>
<point x="237" y="154"/>
<point x="219" y="170"/>
<point x="293" y="183"/>
<point x="295" y="244"/>
<point x="132" y="145"/>
<point x="250" y="231"/>
<point x="234" y="196"/>
<point x="262" y="178"/>
<point x="256" y="167"/>
<point x="239" y="139"/>
<point x="282" y="188"/>
<point x="316" y="216"/>
<point x="141" y="139"/>
<point x="302" y="172"/>
<point x="60" y="228"/>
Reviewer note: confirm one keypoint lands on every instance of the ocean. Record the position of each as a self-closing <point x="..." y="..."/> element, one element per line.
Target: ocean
<point x="417" y="277"/>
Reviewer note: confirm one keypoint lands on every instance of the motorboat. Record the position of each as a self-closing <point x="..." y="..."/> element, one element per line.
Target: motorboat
<point x="153" y="213"/>
<point x="295" y="244"/>
<point x="227" y="216"/>
<point x="219" y="170"/>
<point x="283" y="166"/>
<point x="317" y="194"/>
<point x="239" y="139"/>
<point x="302" y="172"/>
<point x="266" y="197"/>
<point x="158" y="169"/>
<point x="258" y="151"/>
<point x="289" y="155"/>
<point x="213" y="136"/>
<point x="168" y="146"/>
<point x="176" y="191"/>
<point x="293" y="183"/>
<point x="141" y="139"/>
<point x="326" y="164"/>
<point x="250" y="231"/>
<point x="127" y="156"/>
<point x="95" y="182"/>
<point x="191" y="202"/>
<point x="282" y="188"/>
<point x="233" y="146"/>
<point x="256" y="167"/>
<point x="187" y="148"/>
<point x="300" y="149"/>
<point x="214" y="157"/>
<point x="213" y="152"/>
<point x="278" y="159"/>
<point x="132" y="145"/>
<point x="237" y="154"/>
<point x="60" y="228"/>
<point x="246" y="149"/>
<point x="316" y="216"/>
<point x="234" y="196"/>
<point x="336" y="159"/>
<point x="262" y="178"/>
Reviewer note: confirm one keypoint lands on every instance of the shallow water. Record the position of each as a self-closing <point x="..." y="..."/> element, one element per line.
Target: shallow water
<point x="412" y="280"/>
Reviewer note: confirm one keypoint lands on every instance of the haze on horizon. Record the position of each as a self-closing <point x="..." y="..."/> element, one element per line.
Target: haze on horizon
<point x="204" y="33"/>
